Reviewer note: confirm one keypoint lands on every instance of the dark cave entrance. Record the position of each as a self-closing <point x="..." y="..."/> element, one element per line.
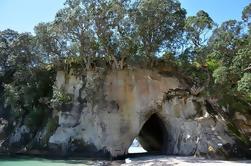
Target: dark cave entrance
<point x="153" y="136"/>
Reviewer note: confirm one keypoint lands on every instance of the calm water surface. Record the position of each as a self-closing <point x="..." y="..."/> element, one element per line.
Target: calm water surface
<point x="29" y="161"/>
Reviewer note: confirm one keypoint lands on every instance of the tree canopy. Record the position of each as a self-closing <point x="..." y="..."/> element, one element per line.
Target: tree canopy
<point x="119" y="34"/>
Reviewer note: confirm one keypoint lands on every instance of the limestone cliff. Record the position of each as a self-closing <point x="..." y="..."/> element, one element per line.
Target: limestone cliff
<point x="110" y="115"/>
<point x="106" y="111"/>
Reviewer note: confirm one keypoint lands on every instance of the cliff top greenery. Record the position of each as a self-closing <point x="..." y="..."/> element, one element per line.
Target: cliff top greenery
<point x="121" y="34"/>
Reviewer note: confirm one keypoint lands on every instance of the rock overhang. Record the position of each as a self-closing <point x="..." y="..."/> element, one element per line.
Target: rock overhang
<point x="119" y="103"/>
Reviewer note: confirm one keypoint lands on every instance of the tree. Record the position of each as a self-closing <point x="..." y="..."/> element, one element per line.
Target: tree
<point x="246" y="13"/>
<point x="7" y="37"/>
<point x="224" y="45"/>
<point x="197" y="28"/>
<point x="225" y="41"/>
<point x="51" y="45"/>
<point x="193" y="56"/>
<point x="24" y="81"/>
<point x="114" y="31"/>
<point x="70" y="34"/>
<point x="230" y="45"/>
<point x="159" y="26"/>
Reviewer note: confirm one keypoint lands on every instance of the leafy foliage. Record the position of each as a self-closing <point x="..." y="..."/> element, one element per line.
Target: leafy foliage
<point x="60" y="97"/>
<point x="116" y="34"/>
<point x="244" y="85"/>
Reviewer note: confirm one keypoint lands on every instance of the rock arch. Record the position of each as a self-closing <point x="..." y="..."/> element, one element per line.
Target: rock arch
<point x="153" y="135"/>
<point x="107" y="117"/>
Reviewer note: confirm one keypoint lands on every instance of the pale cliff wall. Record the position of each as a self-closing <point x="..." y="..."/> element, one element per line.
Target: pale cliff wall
<point x="116" y="117"/>
<point x="124" y="102"/>
<point x="108" y="110"/>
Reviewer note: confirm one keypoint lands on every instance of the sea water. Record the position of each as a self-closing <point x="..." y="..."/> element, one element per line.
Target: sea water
<point x="30" y="161"/>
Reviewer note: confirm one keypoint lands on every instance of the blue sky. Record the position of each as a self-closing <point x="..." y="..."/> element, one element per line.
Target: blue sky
<point x="23" y="15"/>
<point x="219" y="10"/>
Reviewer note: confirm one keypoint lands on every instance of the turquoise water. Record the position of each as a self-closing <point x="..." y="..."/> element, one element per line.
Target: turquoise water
<point x="31" y="161"/>
<point x="26" y="161"/>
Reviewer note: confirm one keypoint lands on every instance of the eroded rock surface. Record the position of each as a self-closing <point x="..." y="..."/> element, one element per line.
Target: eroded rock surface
<point x="120" y="106"/>
<point x="244" y="122"/>
<point x="108" y="110"/>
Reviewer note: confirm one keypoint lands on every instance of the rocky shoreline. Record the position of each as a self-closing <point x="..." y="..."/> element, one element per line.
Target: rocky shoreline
<point x="104" y="113"/>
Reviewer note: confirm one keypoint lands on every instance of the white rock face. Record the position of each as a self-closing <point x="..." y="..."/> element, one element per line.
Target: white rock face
<point x="109" y="111"/>
<point x="190" y="133"/>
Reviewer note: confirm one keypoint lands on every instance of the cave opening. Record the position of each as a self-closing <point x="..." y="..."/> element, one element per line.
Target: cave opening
<point x="152" y="137"/>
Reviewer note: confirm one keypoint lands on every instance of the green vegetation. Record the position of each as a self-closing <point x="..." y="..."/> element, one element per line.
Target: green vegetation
<point x="116" y="35"/>
<point x="59" y="98"/>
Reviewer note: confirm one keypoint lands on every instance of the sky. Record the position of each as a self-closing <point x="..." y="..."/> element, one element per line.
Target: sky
<point x="23" y="15"/>
<point x="219" y="10"/>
